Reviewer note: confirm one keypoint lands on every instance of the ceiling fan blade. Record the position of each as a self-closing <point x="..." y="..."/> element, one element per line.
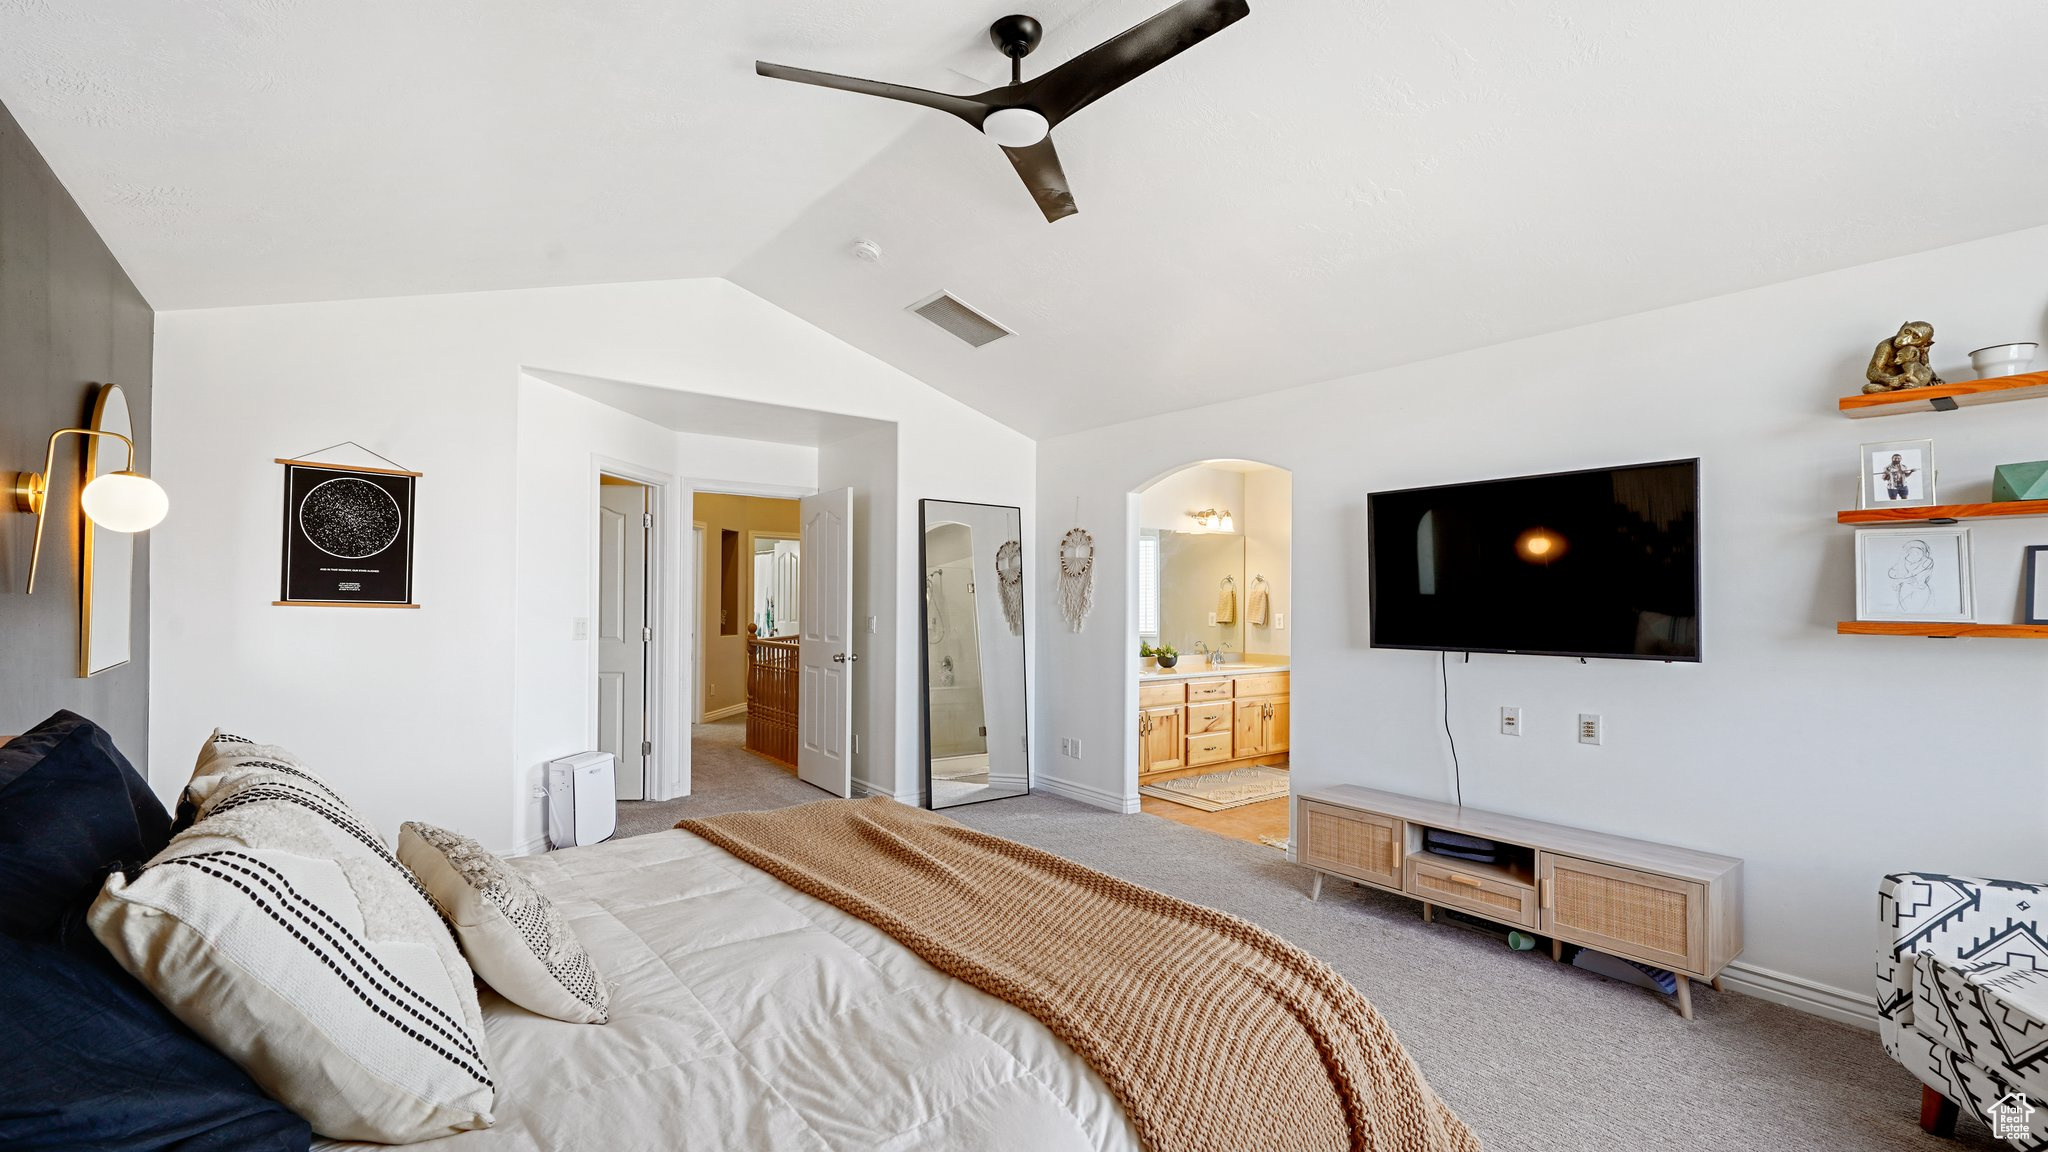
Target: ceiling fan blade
<point x="1123" y="58"/>
<point x="968" y="108"/>
<point x="1039" y="165"/>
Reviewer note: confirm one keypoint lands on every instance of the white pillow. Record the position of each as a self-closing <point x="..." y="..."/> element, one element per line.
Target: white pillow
<point x="281" y="929"/>
<point x="515" y="938"/>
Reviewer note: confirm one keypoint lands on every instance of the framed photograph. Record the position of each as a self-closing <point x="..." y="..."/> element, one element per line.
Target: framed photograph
<point x="347" y="536"/>
<point x="2037" y="584"/>
<point x="1919" y="574"/>
<point x="1898" y="474"/>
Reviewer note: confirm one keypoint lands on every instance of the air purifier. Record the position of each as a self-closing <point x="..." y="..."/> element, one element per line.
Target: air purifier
<point x="582" y="805"/>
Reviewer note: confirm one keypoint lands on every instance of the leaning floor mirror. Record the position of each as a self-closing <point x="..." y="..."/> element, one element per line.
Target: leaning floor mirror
<point x="975" y="744"/>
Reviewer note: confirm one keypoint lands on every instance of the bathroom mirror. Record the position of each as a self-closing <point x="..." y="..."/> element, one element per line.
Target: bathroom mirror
<point x="975" y="741"/>
<point x="107" y="557"/>
<point x="1201" y="591"/>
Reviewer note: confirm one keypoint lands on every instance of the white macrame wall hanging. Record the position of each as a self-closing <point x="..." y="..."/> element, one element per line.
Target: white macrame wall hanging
<point x="1010" y="581"/>
<point x="1077" y="577"/>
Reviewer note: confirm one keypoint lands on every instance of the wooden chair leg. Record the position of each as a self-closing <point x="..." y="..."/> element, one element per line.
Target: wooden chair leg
<point x="1937" y="1112"/>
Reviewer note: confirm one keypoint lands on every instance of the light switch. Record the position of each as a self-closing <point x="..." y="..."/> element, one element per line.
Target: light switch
<point x="871" y="625"/>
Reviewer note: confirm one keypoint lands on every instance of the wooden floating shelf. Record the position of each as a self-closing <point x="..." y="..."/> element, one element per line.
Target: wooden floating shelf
<point x="1944" y="631"/>
<point x="1933" y="512"/>
<point x="1944" y="397"/>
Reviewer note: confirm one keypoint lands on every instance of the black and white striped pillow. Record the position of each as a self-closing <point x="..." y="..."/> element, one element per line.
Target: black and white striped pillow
<point x="282" y="929"/>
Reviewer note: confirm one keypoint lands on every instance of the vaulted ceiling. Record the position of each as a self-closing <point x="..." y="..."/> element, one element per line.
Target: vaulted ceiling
<point x="1327" y="187"/>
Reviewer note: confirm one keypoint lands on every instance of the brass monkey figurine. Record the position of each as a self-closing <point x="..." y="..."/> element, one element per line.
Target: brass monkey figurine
<point x="1901" y="362"/>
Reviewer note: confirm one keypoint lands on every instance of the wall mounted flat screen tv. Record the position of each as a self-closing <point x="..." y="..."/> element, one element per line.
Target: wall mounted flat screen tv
<point x="1597" y="563"/>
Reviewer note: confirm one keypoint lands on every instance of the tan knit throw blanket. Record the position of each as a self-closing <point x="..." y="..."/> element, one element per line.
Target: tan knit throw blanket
<point x="1214" y="1034"/>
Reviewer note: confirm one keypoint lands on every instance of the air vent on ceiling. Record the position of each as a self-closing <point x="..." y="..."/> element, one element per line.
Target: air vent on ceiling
<point x="949" y="313"/>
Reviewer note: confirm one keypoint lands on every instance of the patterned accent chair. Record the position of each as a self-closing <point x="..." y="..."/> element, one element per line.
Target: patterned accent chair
<point x="1962" y="995"/>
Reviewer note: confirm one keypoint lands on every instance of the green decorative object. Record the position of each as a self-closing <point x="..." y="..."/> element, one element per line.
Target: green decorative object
<point x="2027" y="481"/>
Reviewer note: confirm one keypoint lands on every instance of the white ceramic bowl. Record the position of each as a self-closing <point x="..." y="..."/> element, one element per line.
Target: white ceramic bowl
<point x="2002" y="360"/>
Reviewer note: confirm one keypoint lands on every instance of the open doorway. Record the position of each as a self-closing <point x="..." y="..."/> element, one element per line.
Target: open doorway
<point x="774" y="645"/>
<point x="1213" y="567"/>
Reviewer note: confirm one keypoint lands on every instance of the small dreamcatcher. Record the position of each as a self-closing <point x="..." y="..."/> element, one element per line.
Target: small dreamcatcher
<point x="1077" y="577"/>
<point x="1010" y="582"/>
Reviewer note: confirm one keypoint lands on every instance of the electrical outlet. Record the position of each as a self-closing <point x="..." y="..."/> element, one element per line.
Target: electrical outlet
<point x="1279" y="621"/>
<point x="579" y="628"/>
<point x="1212" y="619"/>
<point x="1590" y="729"/>
<point x="871" y="625"/>
<point x="1511" y="721"/>
<point x="1066" y="746"/>
<point x="1077" y="747"/>
<point x="856" y="743"/>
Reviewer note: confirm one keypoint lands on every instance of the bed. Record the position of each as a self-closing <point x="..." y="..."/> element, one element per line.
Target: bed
<point x="746" y="1014"/>
<point x="847" y="974"/>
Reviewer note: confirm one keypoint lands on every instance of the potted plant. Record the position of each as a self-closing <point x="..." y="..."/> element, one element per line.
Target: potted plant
<point x="1167" y="655"/>
<point x="1147" y="654"/>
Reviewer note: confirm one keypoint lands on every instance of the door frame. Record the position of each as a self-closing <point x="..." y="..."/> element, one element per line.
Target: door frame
<point x="668" y="773"/>
<point x="692" y="584"/>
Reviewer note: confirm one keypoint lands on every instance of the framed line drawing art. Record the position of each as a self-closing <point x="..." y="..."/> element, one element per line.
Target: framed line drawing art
<point x="348" y="536"/>
<point x="1917" y="574"/>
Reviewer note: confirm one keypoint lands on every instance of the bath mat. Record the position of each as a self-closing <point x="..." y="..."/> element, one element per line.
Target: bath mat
<point x="1219" y="790"/>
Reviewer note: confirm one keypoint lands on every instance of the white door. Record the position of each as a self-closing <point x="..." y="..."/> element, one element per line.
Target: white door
<point x="623" y="636"/>
<point x="825" y="643"/>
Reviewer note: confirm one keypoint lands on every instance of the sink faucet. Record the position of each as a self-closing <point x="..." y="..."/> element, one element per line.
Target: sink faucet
<point x="1212" y="656"/>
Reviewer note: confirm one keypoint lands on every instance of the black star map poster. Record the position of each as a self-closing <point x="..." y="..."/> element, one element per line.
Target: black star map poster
<point x="347" y="535"/>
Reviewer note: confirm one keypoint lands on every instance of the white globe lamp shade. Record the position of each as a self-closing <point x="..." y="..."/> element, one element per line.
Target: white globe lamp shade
<point x="125" y="502"/>
<point x="1015" y="127"/>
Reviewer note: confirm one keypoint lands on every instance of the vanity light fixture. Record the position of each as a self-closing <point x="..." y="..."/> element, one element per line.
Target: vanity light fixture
<point x="1210" y="520"/>
<point x="124" y="501"/>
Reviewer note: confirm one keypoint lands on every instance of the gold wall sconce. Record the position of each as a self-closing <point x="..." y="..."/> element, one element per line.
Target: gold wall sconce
<point x="1210" y="520"/>
<point x="123" y="501"/>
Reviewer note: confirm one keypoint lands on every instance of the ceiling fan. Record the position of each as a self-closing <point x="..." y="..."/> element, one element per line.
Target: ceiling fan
<point x="1020" y="115"/>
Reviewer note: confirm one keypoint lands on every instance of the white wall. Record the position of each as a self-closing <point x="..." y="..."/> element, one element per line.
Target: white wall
<point x="1822" y="760"/>
<point x="1166" y="504"/>
<point x="885" y="700"/>
<point x="563" y="439"/>
<point x="412" y="712"/>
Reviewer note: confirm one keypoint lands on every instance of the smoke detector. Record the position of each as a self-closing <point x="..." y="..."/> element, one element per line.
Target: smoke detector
<point x="866" y="251"/>
<point x="946" y="310"/>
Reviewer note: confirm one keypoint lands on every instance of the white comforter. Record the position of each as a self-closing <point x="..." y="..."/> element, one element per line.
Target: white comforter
<point x="747" y="1015"/>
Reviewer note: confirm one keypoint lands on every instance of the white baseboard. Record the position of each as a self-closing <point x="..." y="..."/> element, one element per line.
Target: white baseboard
<point x="1087" y="794"/>
<point x="717" y="714"/>
<point x="1837" y="1004"/>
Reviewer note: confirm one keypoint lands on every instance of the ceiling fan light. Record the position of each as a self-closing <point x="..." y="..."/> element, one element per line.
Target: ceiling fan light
<point x="1015" y="127"/>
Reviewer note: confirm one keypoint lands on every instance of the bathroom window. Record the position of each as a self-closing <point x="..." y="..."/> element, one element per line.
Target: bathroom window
<point x="1148" y="587"/>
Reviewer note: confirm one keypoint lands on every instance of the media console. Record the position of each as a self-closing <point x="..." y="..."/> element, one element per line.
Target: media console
<point x="1671" y="908"/>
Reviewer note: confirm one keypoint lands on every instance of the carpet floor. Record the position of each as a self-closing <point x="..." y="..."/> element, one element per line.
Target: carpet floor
<point x="1533" y="1055"/>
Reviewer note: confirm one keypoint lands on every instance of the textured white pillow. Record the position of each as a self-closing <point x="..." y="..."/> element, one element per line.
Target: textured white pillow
<point x="280" y="928"/>
<point x="515" y="938"/>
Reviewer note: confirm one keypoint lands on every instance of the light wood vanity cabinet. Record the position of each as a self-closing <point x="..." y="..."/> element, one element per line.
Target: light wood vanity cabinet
<point x="1668" y="907"/>
<point x="1161" y="742"/>
<point x="1220" y="719"/>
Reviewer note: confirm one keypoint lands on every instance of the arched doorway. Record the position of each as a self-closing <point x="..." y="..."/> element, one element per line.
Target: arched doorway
<point x="1212" y="562"/>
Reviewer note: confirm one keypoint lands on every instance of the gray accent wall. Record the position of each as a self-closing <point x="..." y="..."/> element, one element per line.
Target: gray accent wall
<point x="69" y="319"/>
